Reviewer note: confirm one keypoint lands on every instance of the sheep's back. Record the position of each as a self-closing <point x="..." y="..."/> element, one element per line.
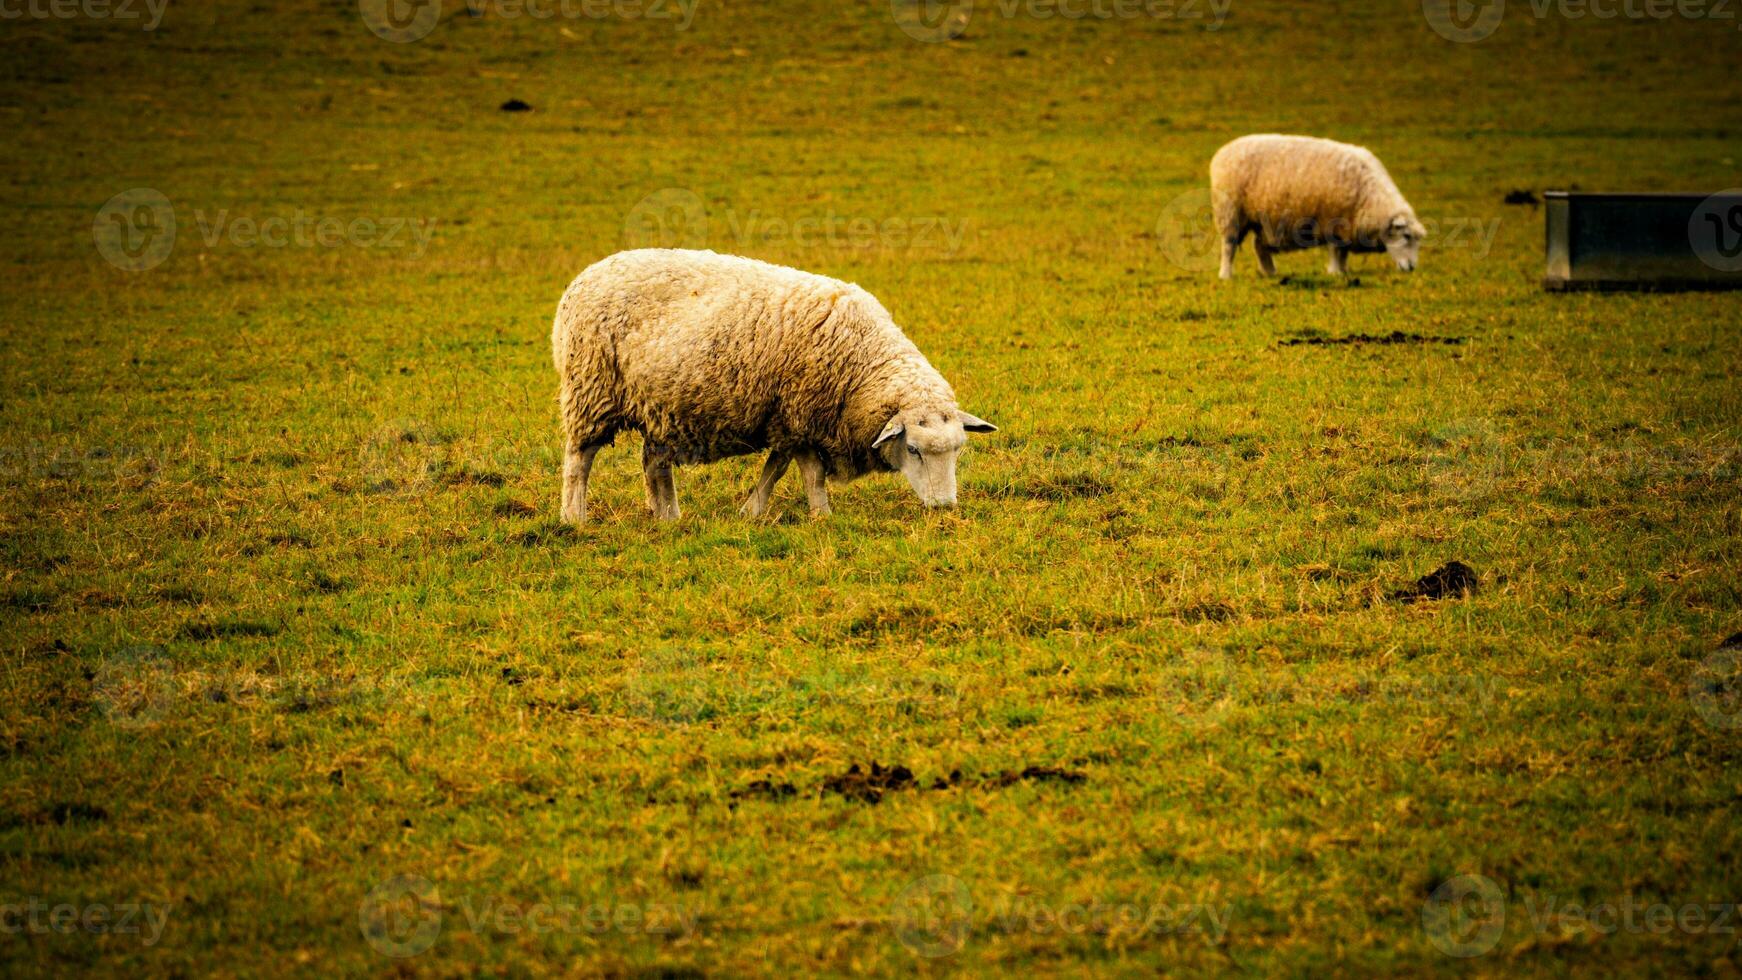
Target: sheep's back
<point x="1279" y="180"/>
<point x="708" y="350"/>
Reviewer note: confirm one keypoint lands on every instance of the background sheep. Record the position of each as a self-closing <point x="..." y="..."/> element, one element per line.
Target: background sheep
<point x="709" y="356"/>
<point x="1300" y="192"/>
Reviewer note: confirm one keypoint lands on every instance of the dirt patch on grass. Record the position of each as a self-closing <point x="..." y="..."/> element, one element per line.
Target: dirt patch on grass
<point x="225" y="628"/>
<point x="871" y="785"/>
<point x="28" y="600"/>
<point x="765" y="789"/>
<point x="289" y="539"/>
<point x="1454" y="578"/>
<point x="465" y="477"/>
<point x="549" y="532"/>
<point x="323" y="582"/>
<point x="65" y="813"/>
<point x="1036" y="774"/>
<point x="1353" y="339"/>
<point x="514" y="508"/>
<point x="1319" y="282"/>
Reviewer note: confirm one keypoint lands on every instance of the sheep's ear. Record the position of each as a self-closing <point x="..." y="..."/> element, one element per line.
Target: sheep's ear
<point x="891" y="431"/>
<point x="976" y="424"/>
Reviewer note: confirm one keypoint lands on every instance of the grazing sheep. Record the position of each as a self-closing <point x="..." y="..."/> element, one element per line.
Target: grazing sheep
<point x="1300" y="192"/>
<point x="709" y="356"/>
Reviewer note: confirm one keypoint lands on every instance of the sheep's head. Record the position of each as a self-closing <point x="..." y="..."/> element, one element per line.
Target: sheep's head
<point x="924" y="446"/>
<point x="1403" y="240"/>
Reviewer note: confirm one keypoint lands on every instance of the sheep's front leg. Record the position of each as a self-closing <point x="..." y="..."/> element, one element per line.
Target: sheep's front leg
<point x="772" y="471"/>
<point x="661" y="488"/>
<point x="577" y="466"/>
<point x="1339" y="262"/>
<point x="1263" y="252"/>
<point x="1229" y="247"/>
<point x="816" y="485"/>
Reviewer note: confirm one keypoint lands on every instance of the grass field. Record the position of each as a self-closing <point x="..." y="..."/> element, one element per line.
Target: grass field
<point x="303" y="675"/>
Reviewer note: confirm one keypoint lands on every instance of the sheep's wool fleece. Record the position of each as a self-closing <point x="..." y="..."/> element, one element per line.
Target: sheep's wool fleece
<point x="1281" y="183"/>
<point x="711" y="355"/>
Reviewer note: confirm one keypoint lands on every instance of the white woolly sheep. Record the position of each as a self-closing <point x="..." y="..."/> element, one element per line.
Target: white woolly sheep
<point x="1300" y="192"/>
<point x="710" y="356"/>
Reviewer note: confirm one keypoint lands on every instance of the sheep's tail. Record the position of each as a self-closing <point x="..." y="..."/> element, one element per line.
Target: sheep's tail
<point x="588" y="379"/>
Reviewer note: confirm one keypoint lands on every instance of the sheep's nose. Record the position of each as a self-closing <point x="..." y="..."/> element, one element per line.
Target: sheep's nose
<point x="947" y="503"/>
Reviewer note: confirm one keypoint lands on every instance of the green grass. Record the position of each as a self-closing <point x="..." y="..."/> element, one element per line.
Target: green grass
<point x="285" y="610"/>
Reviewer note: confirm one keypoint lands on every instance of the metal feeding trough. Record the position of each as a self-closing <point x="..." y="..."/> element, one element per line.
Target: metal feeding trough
<point x="1644" y="241"/>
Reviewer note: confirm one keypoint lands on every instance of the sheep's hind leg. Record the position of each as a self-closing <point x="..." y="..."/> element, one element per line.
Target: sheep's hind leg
<point x="772" y="471"/>
<point x="816" y="485"/>
<point x="1263" y="251"/>
<point x="577" y="467"/>
<point x="1229" y="247"/>
<point x="661" y="487"/>
<point x="1339" y="261"/>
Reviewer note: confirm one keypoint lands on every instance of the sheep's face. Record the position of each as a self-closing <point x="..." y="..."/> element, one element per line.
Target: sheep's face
<point x="924" y="446"/>
<point x="1403" y="241"/>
